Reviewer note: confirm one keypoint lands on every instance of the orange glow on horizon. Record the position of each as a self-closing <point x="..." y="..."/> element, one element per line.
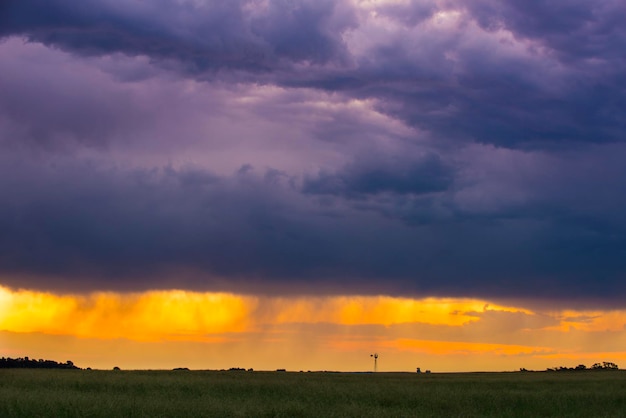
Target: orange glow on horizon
<point x="444" y="348"/>
<point x="592" y="321"/>
<point x="594" y="357"/>
<point x="378" y="310"/>
<point x="456" y="334"/>
<point x="464" y="348"/>
<point x="177" y="314"/>
<point x="150" y="316"/>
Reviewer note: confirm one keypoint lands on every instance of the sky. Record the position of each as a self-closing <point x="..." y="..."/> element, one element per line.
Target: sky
<point x="301" y="183"/>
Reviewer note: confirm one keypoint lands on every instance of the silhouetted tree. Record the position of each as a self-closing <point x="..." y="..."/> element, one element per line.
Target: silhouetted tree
<point x="609" y="366"/>
<point x="27" y="363"/>
<point x="606" y="365"/>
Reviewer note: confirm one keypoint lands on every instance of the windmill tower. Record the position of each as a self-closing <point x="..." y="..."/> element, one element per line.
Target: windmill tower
<point x="375" y="355"/>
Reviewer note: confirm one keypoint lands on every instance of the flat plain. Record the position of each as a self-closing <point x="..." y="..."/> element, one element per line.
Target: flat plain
<point x="96" y="393"/>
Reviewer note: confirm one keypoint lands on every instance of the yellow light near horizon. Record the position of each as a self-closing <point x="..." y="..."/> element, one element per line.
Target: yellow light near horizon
<point x="376" y="310"/>
<point x="387" y="311"/>
<point x="146" y="316"/>
<point x="202" y="316"/>
<point x="443" y="348"/>
<point x="594" y="357"/>
<point x="27" y="311"/>
<point x="460" y="348"/>
<point x="455" y="333"/>
<point x="614" y="320"/>
<point x="178" y="314"/>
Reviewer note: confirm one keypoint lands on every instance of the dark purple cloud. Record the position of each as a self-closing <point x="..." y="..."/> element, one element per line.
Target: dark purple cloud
<point x="574" y="30"/>
<point x="433" y="148"/>
<point x="200" y="36"/>
<point x="512" y="74"/>
<point x="375" y="176"/>
<point x="90" y="226"/>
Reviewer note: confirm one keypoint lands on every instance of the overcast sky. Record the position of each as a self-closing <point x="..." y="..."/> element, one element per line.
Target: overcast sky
<point x="417" y="148"/>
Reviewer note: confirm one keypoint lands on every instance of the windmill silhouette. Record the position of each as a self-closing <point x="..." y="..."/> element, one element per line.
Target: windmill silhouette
<point x="375" y="355"/>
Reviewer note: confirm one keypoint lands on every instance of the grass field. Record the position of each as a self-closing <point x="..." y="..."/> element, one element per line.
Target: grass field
<point x="91" y="393"/>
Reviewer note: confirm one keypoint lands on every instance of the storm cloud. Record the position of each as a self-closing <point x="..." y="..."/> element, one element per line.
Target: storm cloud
<point x="408" y="148"/>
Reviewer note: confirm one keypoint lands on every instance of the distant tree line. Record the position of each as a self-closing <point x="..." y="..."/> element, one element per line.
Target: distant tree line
<point x="605" y="365"/>
<point x="27" y="363"/>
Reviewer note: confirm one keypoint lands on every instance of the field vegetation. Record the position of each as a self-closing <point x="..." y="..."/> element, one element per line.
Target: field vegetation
<point x="181" y="393"/>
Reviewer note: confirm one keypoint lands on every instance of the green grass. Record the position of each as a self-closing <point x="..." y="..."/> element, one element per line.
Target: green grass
<point x="91" y="393"/>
